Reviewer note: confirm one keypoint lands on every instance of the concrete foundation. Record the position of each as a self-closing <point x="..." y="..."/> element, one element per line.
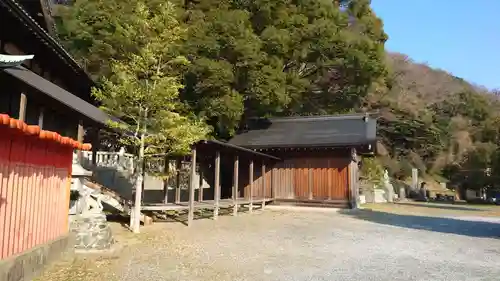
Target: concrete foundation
<point x="29" y="264"/>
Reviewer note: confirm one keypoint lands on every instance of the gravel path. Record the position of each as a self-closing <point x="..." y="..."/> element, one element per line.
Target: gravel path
<point x="288" y="245"/>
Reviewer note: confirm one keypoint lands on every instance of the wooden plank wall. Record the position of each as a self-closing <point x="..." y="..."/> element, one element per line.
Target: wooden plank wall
<point x="312" y="179"/>
<point x="260" y="190"/>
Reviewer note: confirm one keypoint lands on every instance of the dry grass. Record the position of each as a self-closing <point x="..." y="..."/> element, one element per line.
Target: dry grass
<point x="79" y="269"/>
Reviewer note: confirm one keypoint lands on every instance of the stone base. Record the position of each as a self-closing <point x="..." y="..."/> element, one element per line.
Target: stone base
<point x="91" y="232"/>
<point x="29" y="264"/>
<point x="379" y="196"/>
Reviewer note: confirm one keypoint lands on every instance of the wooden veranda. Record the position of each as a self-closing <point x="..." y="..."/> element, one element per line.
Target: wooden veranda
<point x="241" y="177"/>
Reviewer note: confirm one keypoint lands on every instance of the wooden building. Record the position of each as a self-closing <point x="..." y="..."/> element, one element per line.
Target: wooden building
<point x="50" y="90"/>
<point x="319" y="157"/>
<point x="45" y="104"/>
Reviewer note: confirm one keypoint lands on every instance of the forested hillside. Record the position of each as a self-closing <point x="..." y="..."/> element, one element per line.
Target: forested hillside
<point x="288" y="57"/>
<point x="438" y="123"/>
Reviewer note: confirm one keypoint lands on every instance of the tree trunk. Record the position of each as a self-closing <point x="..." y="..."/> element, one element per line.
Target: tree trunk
<point x="135" y="218"/>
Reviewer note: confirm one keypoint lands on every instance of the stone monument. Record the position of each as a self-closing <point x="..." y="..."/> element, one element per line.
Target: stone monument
<point x="88" y="224"/>
<point x="388" y="187"/>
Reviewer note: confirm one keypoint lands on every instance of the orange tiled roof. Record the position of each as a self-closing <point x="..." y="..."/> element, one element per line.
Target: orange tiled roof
<point x="32" y="130"/>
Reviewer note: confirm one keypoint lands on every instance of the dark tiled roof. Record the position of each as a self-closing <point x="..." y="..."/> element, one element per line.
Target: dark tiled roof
<point x="213" y="145"/>
<point x="314" y="131"/>
<point x="18" y="11"/>
<point x="57" y="93"/>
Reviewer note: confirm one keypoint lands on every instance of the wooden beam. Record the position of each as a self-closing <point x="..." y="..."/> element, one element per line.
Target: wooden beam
<point x="192" y="187"/>
<point x="263" y="185"/>
<point x="250" y="179"/>
<point x="178" y="181"/>
<point x="235" y="185"/>
<point x="217" y="184"/>
<point x="22" y="107"/>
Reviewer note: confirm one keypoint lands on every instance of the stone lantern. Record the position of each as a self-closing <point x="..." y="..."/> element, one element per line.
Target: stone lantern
<point x="88" y="221"/>
<point x="78" y="174"/>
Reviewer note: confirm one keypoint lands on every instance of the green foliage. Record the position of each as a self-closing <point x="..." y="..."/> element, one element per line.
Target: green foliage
<point x="437" y="123"/>
<point x="372" y="170"/>
<point x="280" y="57"/>
<point x="276" y="58"/>
<point x="131" y="46"/>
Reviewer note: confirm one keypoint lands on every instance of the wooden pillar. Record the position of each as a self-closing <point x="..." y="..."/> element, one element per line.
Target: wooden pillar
<point x="95" y="146"/>
<point x="200" y="185"/>
<point x="22" y="107"/>
<point x="192" y="184"/>
<point x="353" y="180"/>
<point x="166" y="170"/>
<point x="310" y="182"/>
<point x="263" y="185"/>
<point x="250" y="179"/>
<point x="178" y="181"/>
<point x="217" y="185"/>
<point x="79" y="138"/>
<point x="40" y="118"/>
<point x="273" y="184"/>
<point x="235" y="185"/>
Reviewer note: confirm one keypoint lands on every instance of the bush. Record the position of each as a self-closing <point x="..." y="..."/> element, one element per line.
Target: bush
<point x="371" y="170"/>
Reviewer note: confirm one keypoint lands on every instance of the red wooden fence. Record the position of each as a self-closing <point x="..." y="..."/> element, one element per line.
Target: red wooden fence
<point x="35" y="170"/>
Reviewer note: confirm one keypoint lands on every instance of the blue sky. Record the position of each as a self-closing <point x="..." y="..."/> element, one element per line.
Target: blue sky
<point x="459" y="36"/>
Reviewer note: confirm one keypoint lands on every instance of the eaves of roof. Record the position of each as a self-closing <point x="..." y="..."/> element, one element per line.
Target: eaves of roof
<point x="17" y="10"/>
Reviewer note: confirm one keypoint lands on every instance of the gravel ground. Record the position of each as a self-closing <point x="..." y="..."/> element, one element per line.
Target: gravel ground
<point x="291" y="245"/>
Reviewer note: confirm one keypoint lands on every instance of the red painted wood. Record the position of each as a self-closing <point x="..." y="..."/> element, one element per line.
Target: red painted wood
<point x="34" y="176"/>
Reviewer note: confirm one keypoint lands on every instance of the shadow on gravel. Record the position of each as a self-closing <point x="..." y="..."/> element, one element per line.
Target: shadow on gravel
<point x="436" y="224"/>
<point x="444" y="206"/>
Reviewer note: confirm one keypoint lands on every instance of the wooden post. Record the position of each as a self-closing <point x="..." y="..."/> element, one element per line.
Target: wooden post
<point x="310" y="182"/>
<point x="192" y="186"/>
<point x="217" y="184"/>
<point x="263" y="185"/>
<point x="178" y="181"/>
<point x="273" y="184"/>
<point x="95" y="146"/>
<point x="250" y="179"/>
<point x="353" y="184"/>
<point x="235" y="186"/>
<point x="165" y="182"/>
<point x="200" y="185"/>
<point x="22" y="107"/>
<point x="40" y="118"/>
<point x="81" y="133"/>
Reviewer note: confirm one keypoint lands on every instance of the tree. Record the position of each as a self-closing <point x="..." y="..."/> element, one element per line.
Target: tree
<point x="279" y="57"/>
<point x="140" y="87"/>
